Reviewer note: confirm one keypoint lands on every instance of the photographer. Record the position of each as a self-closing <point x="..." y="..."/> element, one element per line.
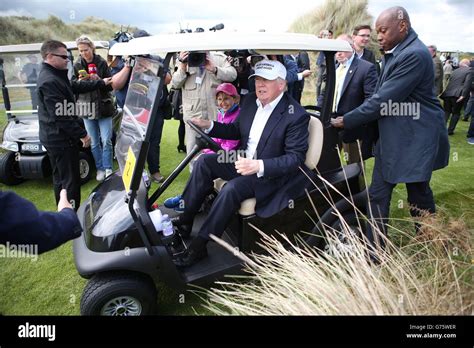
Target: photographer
<point x="198" y="75"/>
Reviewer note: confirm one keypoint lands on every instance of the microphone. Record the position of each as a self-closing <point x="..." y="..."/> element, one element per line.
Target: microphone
<point x="217" y="27"/>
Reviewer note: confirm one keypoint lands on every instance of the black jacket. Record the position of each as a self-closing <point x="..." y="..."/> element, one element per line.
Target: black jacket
<point x="59" y="125"/>
<point x="105" y="98"/>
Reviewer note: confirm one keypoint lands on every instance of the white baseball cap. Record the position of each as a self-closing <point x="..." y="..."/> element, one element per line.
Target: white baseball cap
<point x="270" y="70"/>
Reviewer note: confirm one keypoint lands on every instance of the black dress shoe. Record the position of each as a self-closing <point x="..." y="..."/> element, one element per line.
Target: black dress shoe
<point x="196" y="251"/>
<point x="181" y="148"/>
<point x="184" y="229"/>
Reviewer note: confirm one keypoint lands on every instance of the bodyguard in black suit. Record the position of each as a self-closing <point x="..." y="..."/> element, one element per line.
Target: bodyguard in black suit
<point x="413" y="140"/>
<point x="273" y="129"/>
<point x="358" y="84"/>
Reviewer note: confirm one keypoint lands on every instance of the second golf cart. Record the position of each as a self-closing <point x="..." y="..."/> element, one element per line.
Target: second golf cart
<point x="25" y="157"/>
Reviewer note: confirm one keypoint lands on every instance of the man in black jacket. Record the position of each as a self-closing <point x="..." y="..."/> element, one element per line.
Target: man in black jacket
<point x="60" y="130"/>
<point x="456" y="93"/>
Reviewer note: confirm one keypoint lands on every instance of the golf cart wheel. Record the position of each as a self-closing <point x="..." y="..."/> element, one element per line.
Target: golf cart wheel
<point x="86" y="165"/>
<point x="9" y="169"/>
<point x="118" y="294"/>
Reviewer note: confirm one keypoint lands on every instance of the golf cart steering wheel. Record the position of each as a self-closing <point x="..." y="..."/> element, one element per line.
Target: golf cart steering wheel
<point x="211" y="144"/>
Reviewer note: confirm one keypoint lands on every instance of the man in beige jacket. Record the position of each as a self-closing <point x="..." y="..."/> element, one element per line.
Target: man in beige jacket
<point x="199" y="85"/>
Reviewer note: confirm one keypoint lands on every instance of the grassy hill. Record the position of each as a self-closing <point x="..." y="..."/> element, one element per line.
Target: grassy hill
<point x="18" y="30"/>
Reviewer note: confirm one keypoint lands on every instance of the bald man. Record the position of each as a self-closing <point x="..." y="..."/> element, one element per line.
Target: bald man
<point x="413" y="139"/>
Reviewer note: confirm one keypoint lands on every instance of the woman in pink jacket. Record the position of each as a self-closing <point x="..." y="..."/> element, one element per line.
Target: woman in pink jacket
<point x="228" y="110"/>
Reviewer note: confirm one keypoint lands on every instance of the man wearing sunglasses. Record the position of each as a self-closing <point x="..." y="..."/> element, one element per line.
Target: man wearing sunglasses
<point x="60" y="130"/>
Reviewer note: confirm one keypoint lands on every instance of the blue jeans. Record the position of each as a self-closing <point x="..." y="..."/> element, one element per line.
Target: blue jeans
<point x="101" y="150"/>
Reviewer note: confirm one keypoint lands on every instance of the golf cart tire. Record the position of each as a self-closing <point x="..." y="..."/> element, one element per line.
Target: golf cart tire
<point x="8" y="167"/>
<point x="86" y="166"/>
<point x="104" y="288"/>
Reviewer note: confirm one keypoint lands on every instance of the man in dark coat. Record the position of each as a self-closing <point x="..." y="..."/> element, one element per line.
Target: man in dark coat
<point x="413" y="140"/>
<point x="23" y="224"/>
<point x="358" y="80"/>
<point x="60" y="130"/>
<point x="456" y="93"/>
<point x="273" y="132"/>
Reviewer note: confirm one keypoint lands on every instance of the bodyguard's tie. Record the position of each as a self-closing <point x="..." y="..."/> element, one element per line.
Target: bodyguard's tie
<point x="339" y="81"/>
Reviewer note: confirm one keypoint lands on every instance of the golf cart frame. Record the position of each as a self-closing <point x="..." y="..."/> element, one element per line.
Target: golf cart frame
<point x="121" y="252"/>
<point x="25" y="156"/>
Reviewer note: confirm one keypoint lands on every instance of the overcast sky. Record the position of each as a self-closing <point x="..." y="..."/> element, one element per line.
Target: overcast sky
<point x="447" y="23"/>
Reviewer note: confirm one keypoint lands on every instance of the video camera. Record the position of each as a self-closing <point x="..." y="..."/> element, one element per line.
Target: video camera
<point x="195" y="59"/>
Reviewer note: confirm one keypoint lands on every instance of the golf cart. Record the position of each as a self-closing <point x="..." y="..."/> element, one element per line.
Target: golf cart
<point x="25" y="157"/>
<point x="121" y="252"/>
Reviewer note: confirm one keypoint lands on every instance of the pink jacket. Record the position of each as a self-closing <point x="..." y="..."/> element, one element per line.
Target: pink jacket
<point x="224" y="143"/>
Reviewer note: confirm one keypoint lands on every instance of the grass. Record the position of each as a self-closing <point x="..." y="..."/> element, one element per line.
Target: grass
<point x="424" y="277"/>
<point x="51" y="285"/>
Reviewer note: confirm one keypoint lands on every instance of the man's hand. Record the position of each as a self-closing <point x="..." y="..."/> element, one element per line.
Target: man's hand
<point x="183" y="56"/>
<point x="337" y="122"/>
<point x="307" y="73"/>
<point x="86" y="141"/>
<point x="210" y="66"/>
<point x="63" y="201"/>
<point x="107" y="80"/>
<point x="246" y="166"/>
<point x="201" y="123"/>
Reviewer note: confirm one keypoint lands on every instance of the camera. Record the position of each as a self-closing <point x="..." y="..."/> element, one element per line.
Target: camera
<point x="195" y="59"/>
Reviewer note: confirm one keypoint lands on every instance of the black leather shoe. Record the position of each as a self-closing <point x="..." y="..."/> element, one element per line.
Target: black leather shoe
<point x="183" y="228"/>
<point x="197" y="251"/>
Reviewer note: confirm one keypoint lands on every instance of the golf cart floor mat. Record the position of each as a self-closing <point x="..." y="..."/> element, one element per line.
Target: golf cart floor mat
<point x="219" y="261"/>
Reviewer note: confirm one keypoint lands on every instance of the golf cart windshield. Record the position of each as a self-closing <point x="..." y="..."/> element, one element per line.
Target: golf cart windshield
<point x="144" y="83"/>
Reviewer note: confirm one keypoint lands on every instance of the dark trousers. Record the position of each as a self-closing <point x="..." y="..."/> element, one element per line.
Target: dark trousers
<point x="181" y="133"/>
<point x="65" y="166"/>
<point x="470" y="132"/>
<point x="153" y="157"/>
<point x="298" y="90"/>
<point x="420" y="198"/>
<point x="238" y="188"/>
<point x="34" y="97"/>
<point x="454" y="109"/>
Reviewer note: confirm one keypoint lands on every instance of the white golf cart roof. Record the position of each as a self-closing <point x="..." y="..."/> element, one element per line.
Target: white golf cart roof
<point x="35" y="47"/>
<point x="265" y="43"/>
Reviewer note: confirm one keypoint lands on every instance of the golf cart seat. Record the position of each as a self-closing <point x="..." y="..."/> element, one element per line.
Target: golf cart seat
<point x="315" y="142"/>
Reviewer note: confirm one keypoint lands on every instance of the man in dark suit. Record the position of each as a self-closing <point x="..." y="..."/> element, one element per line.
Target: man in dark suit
<point x="361" y="38"/>
<point x="302" y="60"/>
<point x="355" y="82"/>
<point x="413" y="140"/>
<point x="273" y="132"/>
<point x="23" y="224"/>
<point x="456" y="93"/>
